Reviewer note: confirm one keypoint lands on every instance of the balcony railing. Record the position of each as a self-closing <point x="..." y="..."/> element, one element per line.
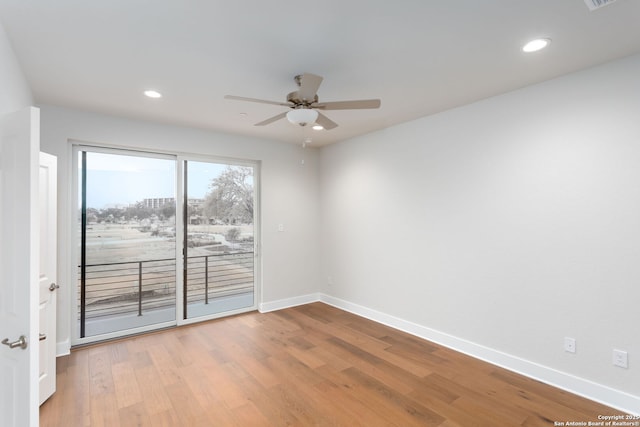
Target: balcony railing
<point x="215" y="276"/>
<point x="139" y="287"/>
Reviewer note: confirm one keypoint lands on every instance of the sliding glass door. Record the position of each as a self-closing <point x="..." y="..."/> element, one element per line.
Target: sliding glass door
<point x="218" y="265"/>
<point x="127" y="248"/>
<point x="161" y="240"/>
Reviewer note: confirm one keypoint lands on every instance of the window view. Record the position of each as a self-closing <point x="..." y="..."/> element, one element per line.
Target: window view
<point x="127" y="268"/>
<point x="128" y="248"/>
<point x="219" y="261"/>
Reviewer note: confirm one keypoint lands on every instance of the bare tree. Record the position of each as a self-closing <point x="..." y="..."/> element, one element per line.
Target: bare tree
<point x="230" y="198"/>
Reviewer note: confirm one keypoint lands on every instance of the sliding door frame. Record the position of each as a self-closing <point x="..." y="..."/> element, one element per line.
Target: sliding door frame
<point x="76" y="147"/>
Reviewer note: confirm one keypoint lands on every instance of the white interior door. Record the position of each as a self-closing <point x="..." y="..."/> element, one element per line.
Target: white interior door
<point x="19" y="229"/>
<point x="48" y="284"/>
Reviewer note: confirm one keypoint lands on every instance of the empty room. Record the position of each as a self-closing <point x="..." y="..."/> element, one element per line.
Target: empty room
<point x="352" y="213"/>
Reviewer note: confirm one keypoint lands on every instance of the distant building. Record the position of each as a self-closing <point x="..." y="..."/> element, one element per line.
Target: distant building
<point x="158" y="202"/>
<point x="162" y="201"/>
<point x="196" y="203"/>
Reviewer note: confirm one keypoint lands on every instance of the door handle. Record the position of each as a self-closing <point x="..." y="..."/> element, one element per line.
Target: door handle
<point x="20" y="342"/>
<point x="53" y="287"/>
<point x="42" y="337"/>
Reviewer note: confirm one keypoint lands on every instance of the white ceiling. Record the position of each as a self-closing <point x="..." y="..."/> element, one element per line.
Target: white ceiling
<point x="419" y="57"/>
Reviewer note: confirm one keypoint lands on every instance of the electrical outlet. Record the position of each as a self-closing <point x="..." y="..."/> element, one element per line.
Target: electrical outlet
<point x="329" y="280"/>
<point x="280" y="227"/>
<point x="620" y="358"/>
<point x="569" y="345"/>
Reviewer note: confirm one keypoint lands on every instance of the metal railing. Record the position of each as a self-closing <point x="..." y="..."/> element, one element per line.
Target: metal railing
<point x="215" y="276"/>
<point x="119" y="288"/>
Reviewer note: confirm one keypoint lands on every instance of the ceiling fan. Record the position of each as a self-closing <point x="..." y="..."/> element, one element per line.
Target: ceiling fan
<point x="304" y="104"/>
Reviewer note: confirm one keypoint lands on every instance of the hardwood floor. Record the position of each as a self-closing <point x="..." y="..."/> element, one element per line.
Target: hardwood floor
<point x="312" y="365"/>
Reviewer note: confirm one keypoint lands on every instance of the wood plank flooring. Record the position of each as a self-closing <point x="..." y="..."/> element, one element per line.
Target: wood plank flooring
<point x="312" y="365"/>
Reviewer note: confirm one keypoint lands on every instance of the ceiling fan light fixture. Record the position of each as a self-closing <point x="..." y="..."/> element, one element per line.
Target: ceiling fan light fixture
<point x="302" y="116"/>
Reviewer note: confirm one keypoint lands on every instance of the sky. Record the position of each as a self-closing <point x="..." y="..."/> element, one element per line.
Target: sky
<point x="115" y="179"/>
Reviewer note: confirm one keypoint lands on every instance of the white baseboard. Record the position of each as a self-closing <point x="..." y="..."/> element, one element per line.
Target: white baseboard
<point x="63" y="348"/>
<point x="265" y="307"/>
<point x="597" y="392"/>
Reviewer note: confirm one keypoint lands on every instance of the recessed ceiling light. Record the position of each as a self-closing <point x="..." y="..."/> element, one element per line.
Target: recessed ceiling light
<point x="243" y="115"/>
<point x="536" y="45"/>
<point x="153" y="94"/>
<point x="317" y="127"/>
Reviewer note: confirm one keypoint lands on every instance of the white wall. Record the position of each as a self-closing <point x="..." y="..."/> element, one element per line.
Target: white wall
<point x="508" y="224"/>
<point x="289" y="193"/>
<point x="14" y="89"/>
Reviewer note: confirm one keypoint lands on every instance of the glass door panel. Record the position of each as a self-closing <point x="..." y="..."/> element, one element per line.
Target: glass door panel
<point x="218" y="238"/>
<point x="127" y="247"/>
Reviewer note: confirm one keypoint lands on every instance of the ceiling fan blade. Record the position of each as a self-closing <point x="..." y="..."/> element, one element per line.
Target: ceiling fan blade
<point x="349" y="105"/>
<point x="261" y="101"/>
<point x="272" y="119"/>
<point x="325" y="122"/>
<point x="309" y="84"/>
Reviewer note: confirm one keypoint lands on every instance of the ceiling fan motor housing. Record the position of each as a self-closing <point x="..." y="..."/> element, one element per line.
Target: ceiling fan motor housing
<point x="294" y="98"/>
